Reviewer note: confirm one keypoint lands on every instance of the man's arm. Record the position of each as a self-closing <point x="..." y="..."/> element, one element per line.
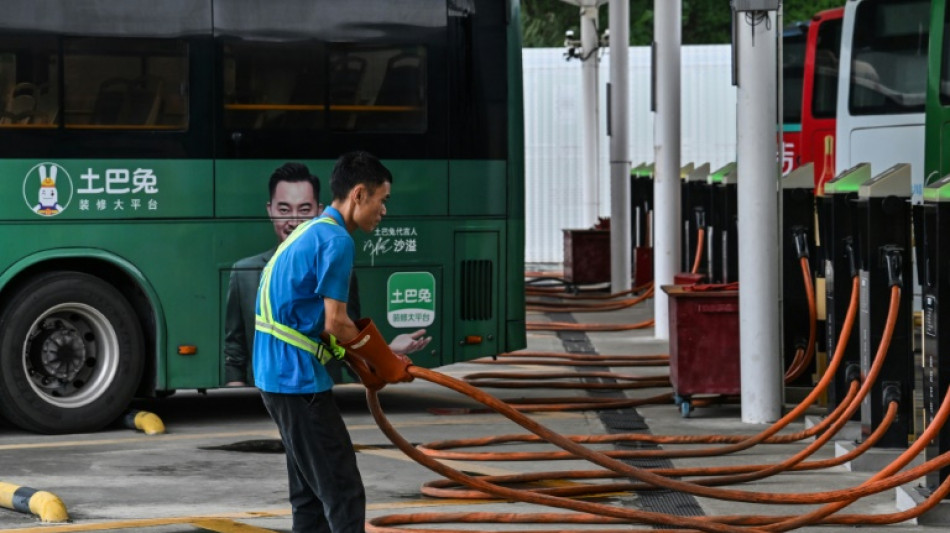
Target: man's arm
<point x="336" y="321"/>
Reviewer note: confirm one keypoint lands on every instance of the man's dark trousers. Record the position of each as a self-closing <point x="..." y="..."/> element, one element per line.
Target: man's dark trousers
<point x="326" y="490"/>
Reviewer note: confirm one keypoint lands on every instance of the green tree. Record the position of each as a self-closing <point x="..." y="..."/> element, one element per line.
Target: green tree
<point x="704" y="21"/>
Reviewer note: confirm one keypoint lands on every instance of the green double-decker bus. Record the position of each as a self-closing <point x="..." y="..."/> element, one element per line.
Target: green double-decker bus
<point x="136" y="141"/>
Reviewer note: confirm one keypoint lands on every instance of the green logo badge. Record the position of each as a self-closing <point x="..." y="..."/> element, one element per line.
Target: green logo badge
<point x="411" y="300"/>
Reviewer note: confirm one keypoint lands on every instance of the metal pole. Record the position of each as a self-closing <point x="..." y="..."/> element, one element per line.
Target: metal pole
<point x="621" y="264"/>
<point x="667" y="31"/>
<point x="590" y="60"/>
<point x="758" y="179"/>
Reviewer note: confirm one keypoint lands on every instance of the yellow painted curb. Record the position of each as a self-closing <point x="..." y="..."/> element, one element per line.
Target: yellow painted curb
<point x="45" y="505"/>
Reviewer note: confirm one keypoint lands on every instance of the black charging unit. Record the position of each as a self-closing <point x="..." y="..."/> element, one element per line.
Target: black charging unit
<point x="694" y="201"/>
<point x="884" y="245"/>
<point x="721" y="226"/>
<point x="798" y="229"/>
<point x="932" y="232"/>
<point x="835" y="210"/>
<point x="641" y="205"/>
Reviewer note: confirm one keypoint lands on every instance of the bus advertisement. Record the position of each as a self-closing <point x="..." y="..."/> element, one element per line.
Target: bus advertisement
<point x="136" y="142"/>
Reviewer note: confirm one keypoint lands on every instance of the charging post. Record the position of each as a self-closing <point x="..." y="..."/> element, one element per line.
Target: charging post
<point x="695" y="199"/>
<point x="841" y="263"/>
<point x="798" y="229"/>
<point x="932" y="229"/>
<point x="641" y="191"/>
<point x="884" y="247"/>
<point x="722" y="229"/>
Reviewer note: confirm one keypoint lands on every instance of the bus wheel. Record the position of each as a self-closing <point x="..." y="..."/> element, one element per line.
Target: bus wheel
<point x="71" y="354"/>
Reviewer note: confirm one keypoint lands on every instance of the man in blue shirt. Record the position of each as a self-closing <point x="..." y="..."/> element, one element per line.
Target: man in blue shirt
<point x="303" y="294"/>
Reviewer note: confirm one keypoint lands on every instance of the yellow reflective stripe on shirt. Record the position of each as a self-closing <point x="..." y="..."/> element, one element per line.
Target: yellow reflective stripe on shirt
<point x="265" y="322"/>
<point x="265" y="278"/>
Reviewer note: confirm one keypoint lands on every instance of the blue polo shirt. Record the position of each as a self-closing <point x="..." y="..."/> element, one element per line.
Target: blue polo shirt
<point x="315" y="266"/>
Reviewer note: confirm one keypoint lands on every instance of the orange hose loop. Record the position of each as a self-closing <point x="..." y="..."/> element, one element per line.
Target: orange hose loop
<point x="530" y="380"/>
<point x="727" y="474"/>
<point x="698" y="256"/>
<point x="585" y="307"/>
<point x="582" y="356"/>
<point x="571" y="326"/>
<point x="538" y="405"/>
<point x="559" y="292"/>
<point x="512" y="494"/>
<point x="619" y="467"/>
<point x="438" y="449"/>
<point x="796" y="370"/>
<point x="528" y="357"/>
<point x="882" y="481"/>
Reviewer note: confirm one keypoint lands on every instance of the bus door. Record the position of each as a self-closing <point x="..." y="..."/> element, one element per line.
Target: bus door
<point x="820" y="94"/>
<point x="881" y="87"/>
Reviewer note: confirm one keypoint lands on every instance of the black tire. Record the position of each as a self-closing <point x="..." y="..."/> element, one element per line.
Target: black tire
<point x="71" y="354"/>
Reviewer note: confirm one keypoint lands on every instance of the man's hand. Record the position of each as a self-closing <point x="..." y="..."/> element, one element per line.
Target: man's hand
<point x="408" y="343"/>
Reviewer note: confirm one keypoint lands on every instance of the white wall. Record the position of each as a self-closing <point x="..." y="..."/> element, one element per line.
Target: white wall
<point x="554" y="122"/>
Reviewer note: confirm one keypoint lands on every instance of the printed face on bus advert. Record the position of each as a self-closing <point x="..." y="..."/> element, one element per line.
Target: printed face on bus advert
<point x="292" y="204"/>
<point x="371" y="206"/>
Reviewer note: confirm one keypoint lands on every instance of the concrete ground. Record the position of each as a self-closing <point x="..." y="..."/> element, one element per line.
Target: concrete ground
<point x="218" y="467"/>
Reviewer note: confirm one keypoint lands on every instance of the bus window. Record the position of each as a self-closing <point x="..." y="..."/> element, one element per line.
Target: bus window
<point x="378" y="88"/>
<point x="273" y="85"/>
<point x="125" y="84"/>
<point x="889" y="63"/>
<point x="29" y="88"/>
<point x="825" y="93"/>
<point x="793" y="73"/>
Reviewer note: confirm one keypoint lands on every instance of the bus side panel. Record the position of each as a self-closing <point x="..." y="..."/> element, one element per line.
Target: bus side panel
<point x="405" y="299"/>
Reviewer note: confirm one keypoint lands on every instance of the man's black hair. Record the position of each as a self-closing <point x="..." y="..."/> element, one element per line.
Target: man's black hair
<point x="355" y="168"/>
<point x="294" y="172"/>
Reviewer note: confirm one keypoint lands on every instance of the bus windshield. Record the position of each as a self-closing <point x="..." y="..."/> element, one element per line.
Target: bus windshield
<point x="889" y="61"/>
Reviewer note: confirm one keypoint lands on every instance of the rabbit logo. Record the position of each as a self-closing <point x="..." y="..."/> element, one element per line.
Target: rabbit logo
<point x="54" y="186"/>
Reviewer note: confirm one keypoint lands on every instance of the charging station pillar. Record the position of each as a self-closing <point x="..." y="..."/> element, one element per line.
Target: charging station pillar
<point x="798" y="221"/>
<point x="884" y="246"/>
<point x="641" y="187"/>
<point x="841" y="262"/>
<point x="720" y="221"/>
<point x="695" y="198"/>
<point x="932" y="231"/>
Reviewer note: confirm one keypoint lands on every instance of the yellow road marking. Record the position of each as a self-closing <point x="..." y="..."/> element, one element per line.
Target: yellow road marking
<point x="216" y="521"/>
<point x="228" y="522"/>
